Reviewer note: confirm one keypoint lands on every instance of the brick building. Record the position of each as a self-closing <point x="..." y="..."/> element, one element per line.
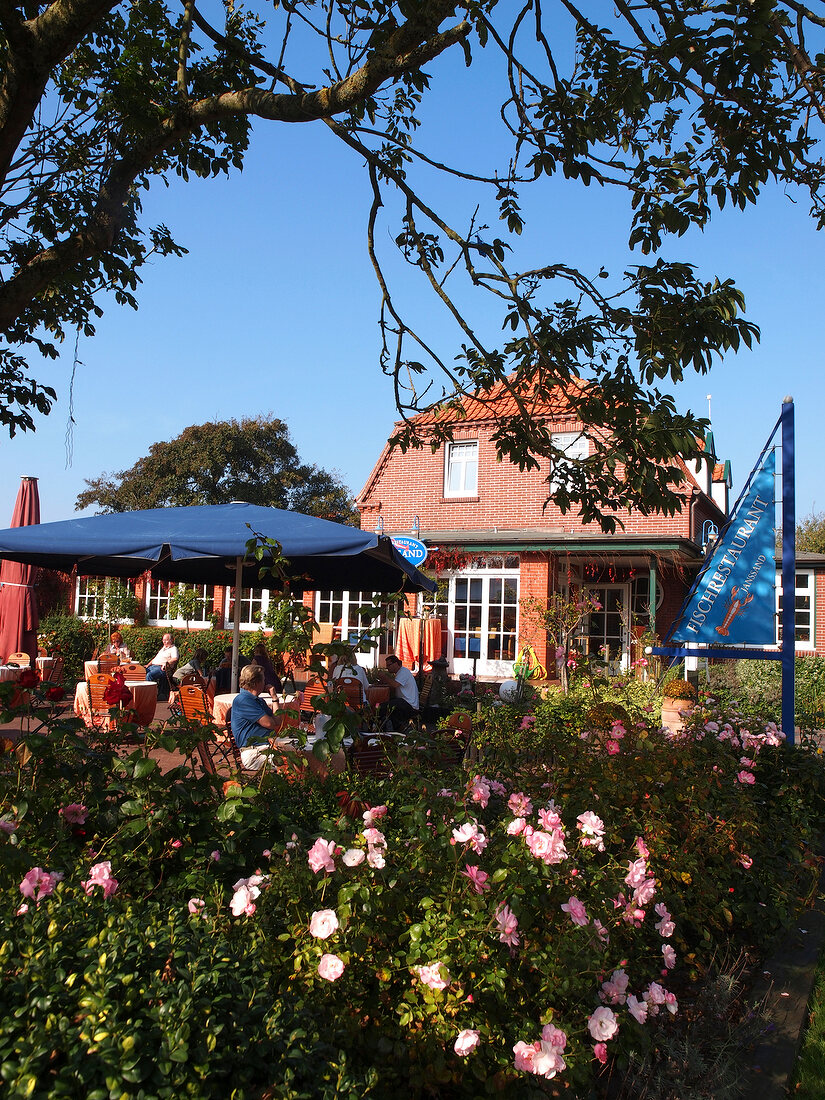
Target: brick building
<point x="497" y="544"/>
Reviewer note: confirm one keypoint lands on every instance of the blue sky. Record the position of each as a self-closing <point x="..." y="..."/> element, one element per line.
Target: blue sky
<point x="274" y="311"/>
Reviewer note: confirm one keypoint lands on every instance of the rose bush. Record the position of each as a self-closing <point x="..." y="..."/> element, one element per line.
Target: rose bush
<point x="497" y="930"/>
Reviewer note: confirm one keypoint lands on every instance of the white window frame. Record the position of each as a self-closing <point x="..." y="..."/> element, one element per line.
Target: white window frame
<point x="164" y="620"/>
<point x="810" y="591"/>
<point x="575" y="446"/>
<point x="83" y="597"/>
<point x="254" y="602"/>
<point x="348" y="603"/>
<point x="504" y="568"/>
<point x="461" y="456"/>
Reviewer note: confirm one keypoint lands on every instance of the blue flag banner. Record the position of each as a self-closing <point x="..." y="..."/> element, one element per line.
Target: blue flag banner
<point x="733" y="600"/>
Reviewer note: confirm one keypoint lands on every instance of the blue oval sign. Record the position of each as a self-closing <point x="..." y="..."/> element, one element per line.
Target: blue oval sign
<point x="412" y="549"/>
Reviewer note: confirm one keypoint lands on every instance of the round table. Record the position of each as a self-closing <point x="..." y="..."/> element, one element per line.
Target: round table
<point x="9" y="673"/>
<point x="144" y="701"/>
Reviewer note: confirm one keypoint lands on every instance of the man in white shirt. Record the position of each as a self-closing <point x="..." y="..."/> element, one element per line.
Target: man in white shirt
<point x="403" y="705"/>
<point x="162" y="665"/>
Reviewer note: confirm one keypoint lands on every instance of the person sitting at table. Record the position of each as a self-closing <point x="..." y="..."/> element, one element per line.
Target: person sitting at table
<point x="197" y="664"/>
<point x="271" y="677"/>
<point x="351" y="668"/>
<point x="403" y="703"/>
<point x="253" y="724"/>
<point x="221" y="682"/>
<point x="116" y="648"/>
<point x="162" y="665"/>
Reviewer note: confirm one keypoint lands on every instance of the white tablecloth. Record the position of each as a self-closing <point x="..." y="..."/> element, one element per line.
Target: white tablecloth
<point x="144" y="700"/>
<point x="9" y="673"/>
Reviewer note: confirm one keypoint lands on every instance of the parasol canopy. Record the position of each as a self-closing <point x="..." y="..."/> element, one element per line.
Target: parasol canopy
<point x="198" y="544"/>
<point x="18" y="603"/>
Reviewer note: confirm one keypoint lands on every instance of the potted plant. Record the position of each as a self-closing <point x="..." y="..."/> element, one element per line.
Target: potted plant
<point x="678" y="699"/>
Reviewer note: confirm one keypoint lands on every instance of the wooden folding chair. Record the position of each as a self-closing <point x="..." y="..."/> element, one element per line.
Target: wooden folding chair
<point x="133" y="671"/>
<point x="314" y="686"/>
<point x="194" y="705"/>
<point x="54" y="672"/>
<point x="107" y="661"/>
<point x="100" y="712"/>
<point x="20" y="659"/>
<point x="374" y="755"/>
<point x="351" y="687"/>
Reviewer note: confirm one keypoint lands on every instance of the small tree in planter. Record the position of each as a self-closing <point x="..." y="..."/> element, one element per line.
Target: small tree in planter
<point x="185" y="603"/>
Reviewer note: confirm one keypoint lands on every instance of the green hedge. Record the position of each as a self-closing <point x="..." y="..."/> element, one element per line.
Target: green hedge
<point x="77" y="640"/>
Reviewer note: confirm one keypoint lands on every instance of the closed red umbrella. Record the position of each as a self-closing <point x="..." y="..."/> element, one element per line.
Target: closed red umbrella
<point x="18" y="603"/>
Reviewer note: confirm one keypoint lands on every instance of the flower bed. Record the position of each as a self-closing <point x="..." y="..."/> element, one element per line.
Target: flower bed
<point x="501" y="931"/>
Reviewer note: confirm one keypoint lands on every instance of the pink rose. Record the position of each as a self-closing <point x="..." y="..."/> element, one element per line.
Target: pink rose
<point x="548" y="847"/>
<point x="669" y="956"/>
<point x="320" y="855"/>
<point x="375" y="838"/>
<point x="353" y="856"/>
<point x="637" y="1009"/>
<point x="520" y="804"/>
<point x="330" y="968"/>
<point x="477" y="877"/>
<point x="323" y="923"/>
<point x="603" y="1024"/>
<point x="615" y="990"/>
<point x="480" y="791"/>
<point x="38" y="884"/>
<point x="215" y="856"/>
<point x="549" y="818"/>
<point x="554" y="1036"/>
<point x="746" y="777"/>
<point x="195" y="905"/>
<point x="101" y="875"/>
<point x="431" y="976"/>
<point x="516" y="827"/>
<point x="74" y="813"/>
<point x="466" y="1042"/>
<point x="374" y="814"/>
<point x="577" y="912"/>
<point x="507" y="924"/>
<point x="645" y="891"/>
<point x="746" y="861"/>
<point x="525" y="1053"/>
<point x="246" y="891"/>
<point x="636" y="872"/>
<point x="600" y="1053"/>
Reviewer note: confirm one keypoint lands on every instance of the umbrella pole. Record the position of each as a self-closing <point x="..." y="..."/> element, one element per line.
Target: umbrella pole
<point x="236" y="625"/>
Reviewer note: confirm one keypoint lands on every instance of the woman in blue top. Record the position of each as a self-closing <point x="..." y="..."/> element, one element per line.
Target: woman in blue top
<point x="253" y="722"/>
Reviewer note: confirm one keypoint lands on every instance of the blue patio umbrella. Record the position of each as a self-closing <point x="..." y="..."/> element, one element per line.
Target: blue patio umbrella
<point x="206" y="544"/>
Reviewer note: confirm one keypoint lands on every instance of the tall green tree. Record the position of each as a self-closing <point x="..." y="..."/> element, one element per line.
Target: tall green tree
<point x="685" y="106"/>
<point x="253" y="460"/>
<point x="810" y="533"/>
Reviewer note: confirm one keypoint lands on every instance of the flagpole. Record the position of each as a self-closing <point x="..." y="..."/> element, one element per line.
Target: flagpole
<point x="788" y="571"/>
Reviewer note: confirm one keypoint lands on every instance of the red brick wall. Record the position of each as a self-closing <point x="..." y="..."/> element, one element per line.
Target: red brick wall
<point x="410" y="484"/>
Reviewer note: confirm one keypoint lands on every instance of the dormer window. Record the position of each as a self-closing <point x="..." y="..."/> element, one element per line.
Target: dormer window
<point x="461" y="470"/>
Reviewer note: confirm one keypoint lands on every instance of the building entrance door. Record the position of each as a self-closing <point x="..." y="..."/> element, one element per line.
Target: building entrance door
<point x="605" y="634"/>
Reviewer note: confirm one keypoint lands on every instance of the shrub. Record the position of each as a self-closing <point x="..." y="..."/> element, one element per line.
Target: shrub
<point x="327" y="939"/>
<point x="74" y="638"/>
